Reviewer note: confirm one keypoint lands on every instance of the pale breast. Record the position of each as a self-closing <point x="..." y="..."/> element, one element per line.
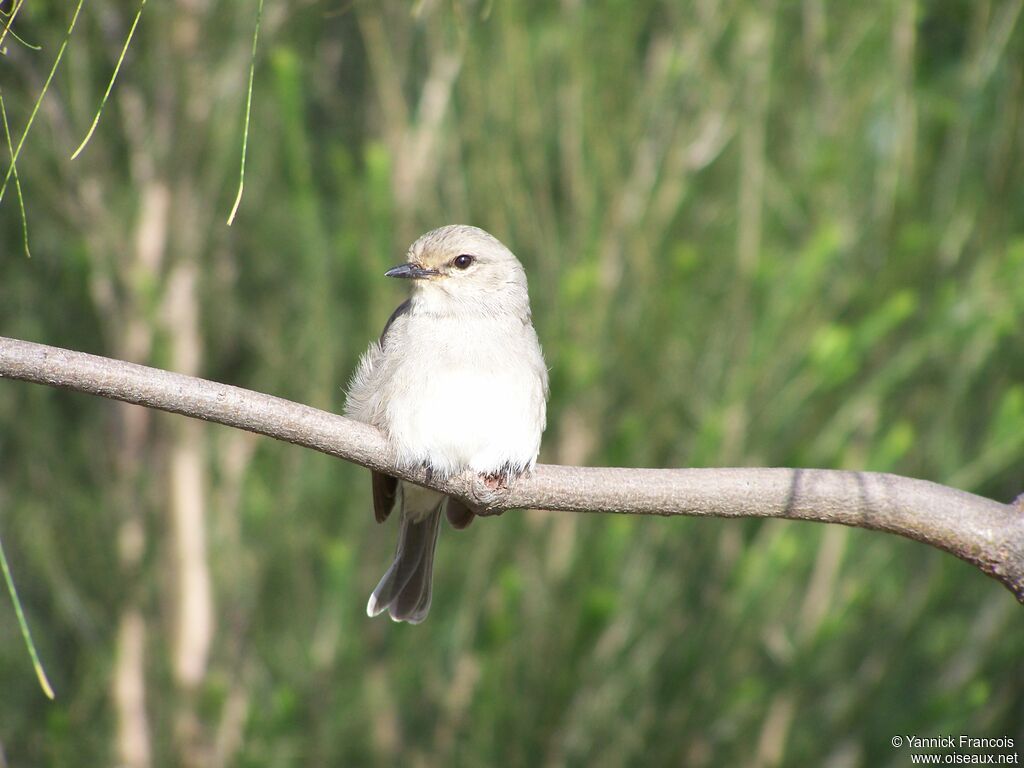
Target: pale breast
<point x="467" y="396"/>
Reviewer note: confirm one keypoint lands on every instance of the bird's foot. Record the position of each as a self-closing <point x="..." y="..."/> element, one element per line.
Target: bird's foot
<point x="493" y="485"/>
<point x="496" y="482"/>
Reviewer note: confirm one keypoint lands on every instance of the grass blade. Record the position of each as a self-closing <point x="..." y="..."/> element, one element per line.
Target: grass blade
<point x="42" y="94"/>
<point x="7" y="29"/>
<point x="110" y="85"/>
<point x="248" y="109"/>
<point x="40" y="673"/>
<point x="17" y="181"/>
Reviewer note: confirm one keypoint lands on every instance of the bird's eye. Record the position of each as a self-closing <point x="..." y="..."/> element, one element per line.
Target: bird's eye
<point x="463" y="261"/>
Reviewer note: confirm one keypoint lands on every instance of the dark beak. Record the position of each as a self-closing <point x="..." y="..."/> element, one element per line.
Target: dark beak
<point x="412" y="271"/>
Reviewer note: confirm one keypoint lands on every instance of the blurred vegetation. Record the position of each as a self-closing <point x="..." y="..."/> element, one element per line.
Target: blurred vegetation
<point x="757" y="233"/>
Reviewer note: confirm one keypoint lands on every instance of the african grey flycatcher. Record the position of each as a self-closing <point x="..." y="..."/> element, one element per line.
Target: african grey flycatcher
<point x="456" y="381"/>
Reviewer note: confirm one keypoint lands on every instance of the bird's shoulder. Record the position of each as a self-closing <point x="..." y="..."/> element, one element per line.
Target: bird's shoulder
<point x="401" y="311"/>
<point x="417" y="328"/>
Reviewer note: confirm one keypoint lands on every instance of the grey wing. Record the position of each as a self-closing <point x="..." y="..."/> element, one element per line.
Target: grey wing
<point x="385" y="487"/>
<point x="400" y="310"/>
<point x="459" y="514"/>
<point x="363" y="398"/>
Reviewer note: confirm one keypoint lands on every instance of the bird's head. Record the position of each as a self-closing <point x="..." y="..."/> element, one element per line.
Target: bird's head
<point x="463" y="267"/>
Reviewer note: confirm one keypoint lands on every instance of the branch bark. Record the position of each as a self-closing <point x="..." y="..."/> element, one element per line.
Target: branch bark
<point x="983" y="532"/>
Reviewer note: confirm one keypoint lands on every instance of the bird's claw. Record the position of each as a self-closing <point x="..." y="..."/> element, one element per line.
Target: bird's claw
<point x="496" y="482"/>
<point x="490" y="488"/>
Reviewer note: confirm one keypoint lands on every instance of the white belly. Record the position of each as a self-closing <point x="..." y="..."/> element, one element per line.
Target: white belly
<point x="457" y="407"/>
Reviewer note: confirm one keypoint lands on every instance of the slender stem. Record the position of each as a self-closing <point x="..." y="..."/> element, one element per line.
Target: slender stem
<point x="17" y="179"/>
<point x="25" y="633"/>
<point x="248" y="111"/>
<point x="42" y="95"/>
<point x="110" y="84"/>
<point x="980" y="531"/>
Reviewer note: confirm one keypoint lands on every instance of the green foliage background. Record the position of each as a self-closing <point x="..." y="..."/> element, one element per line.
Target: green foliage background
<point x="757" y="233"/>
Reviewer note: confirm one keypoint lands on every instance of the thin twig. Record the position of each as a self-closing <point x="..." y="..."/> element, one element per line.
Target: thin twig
<point x="980" y="531"/>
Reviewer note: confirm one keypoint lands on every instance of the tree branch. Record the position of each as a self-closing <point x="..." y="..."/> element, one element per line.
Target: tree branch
<point x="985" y="533"/>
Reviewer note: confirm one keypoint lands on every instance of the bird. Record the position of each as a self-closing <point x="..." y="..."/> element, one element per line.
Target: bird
<point x="457" y="381"/>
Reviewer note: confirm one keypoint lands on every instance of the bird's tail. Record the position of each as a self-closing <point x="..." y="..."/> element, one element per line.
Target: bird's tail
<point x="404" y="592"/>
